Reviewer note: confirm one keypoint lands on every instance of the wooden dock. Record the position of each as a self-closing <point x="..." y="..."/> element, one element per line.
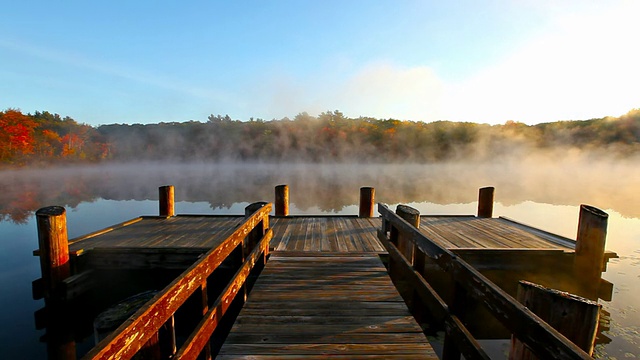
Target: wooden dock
<point x="322" y="288"/>
<point x="314" y="306"/>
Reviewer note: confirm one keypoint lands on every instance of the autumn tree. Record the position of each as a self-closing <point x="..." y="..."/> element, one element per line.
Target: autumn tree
<point x="16" y="136"/>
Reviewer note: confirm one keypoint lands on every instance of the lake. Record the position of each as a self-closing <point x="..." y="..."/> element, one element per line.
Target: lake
<point x="537" y="191"/>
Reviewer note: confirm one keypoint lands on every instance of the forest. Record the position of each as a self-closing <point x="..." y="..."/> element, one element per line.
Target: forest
<point x="44" y="138"/>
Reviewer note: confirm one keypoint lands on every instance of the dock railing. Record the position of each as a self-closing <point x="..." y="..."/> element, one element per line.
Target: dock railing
<point x="249" y="243"/>
<point x="408" y="251"/>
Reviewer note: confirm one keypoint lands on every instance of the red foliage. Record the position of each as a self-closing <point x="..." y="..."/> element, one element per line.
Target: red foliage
<point x="16" y="134"/>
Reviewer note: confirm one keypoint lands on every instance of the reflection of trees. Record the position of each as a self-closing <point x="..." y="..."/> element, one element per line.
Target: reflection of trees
<point x="328" y="187"/>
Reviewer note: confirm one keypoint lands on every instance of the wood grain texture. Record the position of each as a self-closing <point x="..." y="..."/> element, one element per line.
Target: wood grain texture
<point x="317" y="234"/>
<point x="311" y="306"/>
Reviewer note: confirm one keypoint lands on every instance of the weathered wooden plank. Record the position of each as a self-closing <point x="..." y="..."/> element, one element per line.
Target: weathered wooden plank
<point x="142" y="325"/>
<point x="326" y="349"/>
<point x="334" y="284"/>
<point x="316" y="308"/>
<point x="280" y="276"/>
<point x="326" y="270"/>
<point x="543" y="339"/>
<point x="328" y="287"/>
<point x="370" y="295"/>
<point x="299" y="320"/>
<point x="307" y="309"/>
<point x="175" y="232"/>
<point x="361" y="338"/>
<point x="397" y="326"/>
<point x="422" y="356"/>
<point x="199" y="338"/>
<point x="456" y="331"/>
<point x="471" y="232"/>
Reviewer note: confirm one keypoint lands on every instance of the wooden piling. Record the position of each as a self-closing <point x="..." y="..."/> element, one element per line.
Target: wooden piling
<point x="406" y="247"/>
<point x="55" y="267"/>
<point x="166" y="196"/>
<point x="256" y="235"/>
<point x="412" y="216"/>
<point x="367" y="195"/>
<point x="54" y="249"/>
<point x="485" y="202"/>
<point x="590" y="243"/>
<point x="574" y="317"/>
<point x="282" y="200"/>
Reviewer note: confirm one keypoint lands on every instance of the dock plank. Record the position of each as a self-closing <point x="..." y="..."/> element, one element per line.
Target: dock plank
<point x="470" y="232"/>
<point x="320" y="234"/>
<point x="310" y="306"/>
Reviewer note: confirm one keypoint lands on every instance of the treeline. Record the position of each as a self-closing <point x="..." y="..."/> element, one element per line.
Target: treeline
<point x="31" y="138"/>
<point x="328" y="137"/>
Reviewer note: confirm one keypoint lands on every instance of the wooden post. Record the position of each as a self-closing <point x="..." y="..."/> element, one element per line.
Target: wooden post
<point x="458" y="308"/>
<point x="485" y="202"/>
<point x="574" y="317"/>
<point x="54" y="249"/>
<point x="166" y="200"/>
<point x="412" y="216"/>
<point x="406" y="248"/>
<point x="256" y="235"/>
<point x="367" y="195"/>
<point x="253" y="239"/>
<point x="204" y="297"/>
<point x="590" y="243"/>
<point x="282" y="200"/>
<point x="409" y="214"/>
<point x="55" y="267"/>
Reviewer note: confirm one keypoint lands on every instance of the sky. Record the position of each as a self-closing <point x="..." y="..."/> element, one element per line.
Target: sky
<point x="105" y="62"/>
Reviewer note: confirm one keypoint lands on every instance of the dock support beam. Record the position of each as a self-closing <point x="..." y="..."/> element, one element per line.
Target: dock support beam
<point x="485" y="202"/>
<point x="590" y="243"/>
<point x="367" y="195"/>
<point x="166" y="196"/>
<point x="282" y="200"/>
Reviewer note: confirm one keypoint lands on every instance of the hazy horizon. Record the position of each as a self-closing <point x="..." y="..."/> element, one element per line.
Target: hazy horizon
<point x="569" y="181"/>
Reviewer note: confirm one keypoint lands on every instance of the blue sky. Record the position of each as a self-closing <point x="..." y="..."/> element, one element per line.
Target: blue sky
<point x="482" y="61"/>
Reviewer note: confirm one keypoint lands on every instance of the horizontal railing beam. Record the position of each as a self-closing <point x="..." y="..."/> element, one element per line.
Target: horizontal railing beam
<point x="127" y="339"/>
<point x="467" y="345"/>
<point x="200" y="336"/>
<point x="543" y="339"/>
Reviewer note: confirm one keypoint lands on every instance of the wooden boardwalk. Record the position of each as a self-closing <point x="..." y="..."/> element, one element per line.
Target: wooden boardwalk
<point x="321" y="289"/>
<point x="330" y="234"/>
<point x="333" y="305"/>
<point x="326" y="234"/>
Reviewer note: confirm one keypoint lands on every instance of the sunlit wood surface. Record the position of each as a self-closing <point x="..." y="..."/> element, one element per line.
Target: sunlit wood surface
<point x="326" y="234"/>
<point x="157" y="232"/>
<point x="315" y="306"/>
<point x="324" y="290"/>
<point x="346" y="234"/>
<point x="471" y="232"/>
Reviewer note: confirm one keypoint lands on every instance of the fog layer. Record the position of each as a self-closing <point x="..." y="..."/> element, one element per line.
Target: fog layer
<point x="569" y="180"/>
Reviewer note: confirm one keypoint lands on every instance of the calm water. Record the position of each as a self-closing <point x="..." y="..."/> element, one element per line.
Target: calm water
<point x="533" y="191"/>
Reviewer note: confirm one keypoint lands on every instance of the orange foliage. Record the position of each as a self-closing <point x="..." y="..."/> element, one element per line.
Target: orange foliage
<point x="16" y="134"/>
<point x="71" y="145"/>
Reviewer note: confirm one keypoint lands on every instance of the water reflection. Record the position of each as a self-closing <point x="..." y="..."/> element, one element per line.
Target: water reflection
<point x="329" y="188"/>
<point x="544" y="195"/>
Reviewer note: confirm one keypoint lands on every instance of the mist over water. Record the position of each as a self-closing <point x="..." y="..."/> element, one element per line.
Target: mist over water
<point x="330" y="187"/>
<point x="543" y="190"/>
